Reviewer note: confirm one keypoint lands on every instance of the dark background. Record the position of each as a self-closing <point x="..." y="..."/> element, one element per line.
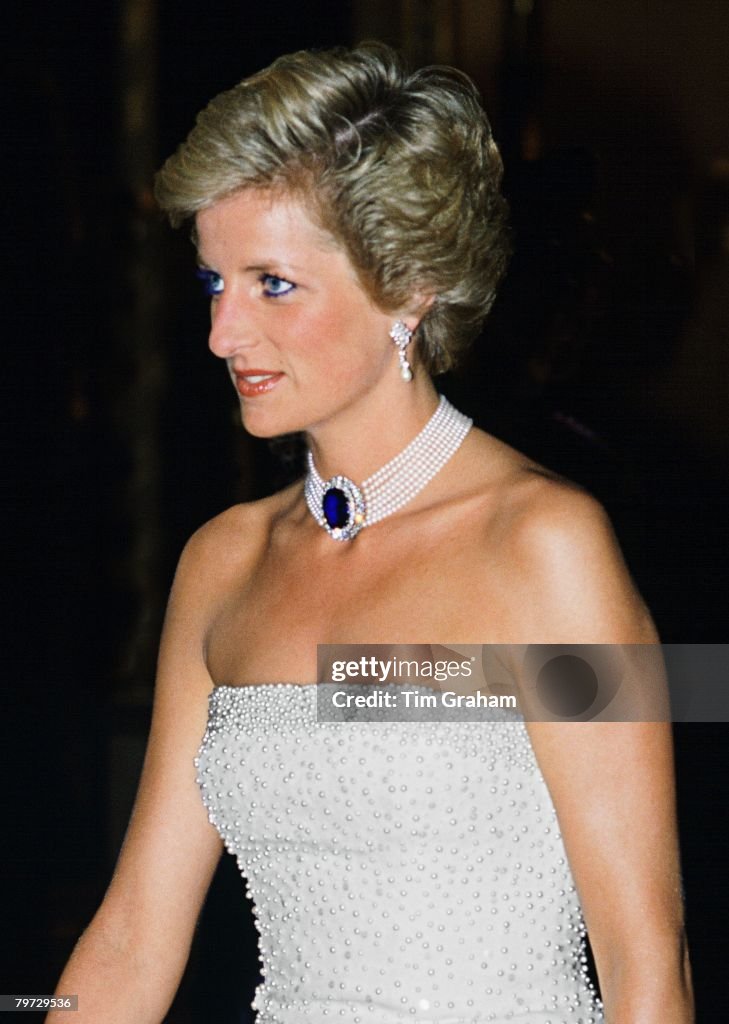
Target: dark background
<point x="605" y="358"/>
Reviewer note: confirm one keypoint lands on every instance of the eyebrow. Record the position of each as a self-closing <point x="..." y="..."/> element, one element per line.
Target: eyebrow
<point x="267" y="264"/>
<point x="262" y="267"/>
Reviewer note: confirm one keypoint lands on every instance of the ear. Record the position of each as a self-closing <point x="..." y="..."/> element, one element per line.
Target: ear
<point x="416" y="309"/>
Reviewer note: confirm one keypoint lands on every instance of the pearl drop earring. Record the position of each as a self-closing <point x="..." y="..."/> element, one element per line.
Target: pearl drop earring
<point x="402" y="336"/>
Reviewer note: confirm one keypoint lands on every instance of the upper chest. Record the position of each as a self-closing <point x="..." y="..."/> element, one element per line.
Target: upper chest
<point x="426" y="586"/>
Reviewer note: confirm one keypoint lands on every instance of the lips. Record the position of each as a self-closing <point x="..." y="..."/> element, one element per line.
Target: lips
<point x="255" y="382"/>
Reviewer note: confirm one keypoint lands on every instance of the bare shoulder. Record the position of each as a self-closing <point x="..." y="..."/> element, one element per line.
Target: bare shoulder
<point x="525" y="496"/>
<point x="216" y="562"/>
<point x="554" y="518"/>
<point x="231" y="544"/>
<point x="566" y="573"/>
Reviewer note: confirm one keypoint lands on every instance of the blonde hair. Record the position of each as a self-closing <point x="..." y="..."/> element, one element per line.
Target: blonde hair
<point x="400" y="168"/>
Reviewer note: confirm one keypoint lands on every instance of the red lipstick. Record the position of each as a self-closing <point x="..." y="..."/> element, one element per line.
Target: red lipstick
<point x="255" y="382"/>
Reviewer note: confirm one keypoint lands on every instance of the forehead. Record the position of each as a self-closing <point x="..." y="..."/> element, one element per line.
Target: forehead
<point x="255" y="218"/>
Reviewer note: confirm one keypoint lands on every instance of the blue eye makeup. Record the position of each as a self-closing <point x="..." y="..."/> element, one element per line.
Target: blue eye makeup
<point x="213" y="283"/>
<point x="274" y="287"/>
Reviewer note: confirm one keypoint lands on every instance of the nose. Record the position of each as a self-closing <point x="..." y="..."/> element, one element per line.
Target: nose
<point x="231" y="326"/>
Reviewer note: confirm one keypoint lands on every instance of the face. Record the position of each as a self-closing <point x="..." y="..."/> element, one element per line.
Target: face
<point x="301" y="338"/>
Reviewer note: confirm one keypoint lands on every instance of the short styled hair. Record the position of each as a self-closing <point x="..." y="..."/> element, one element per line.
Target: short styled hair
<point x="400" y="168"/>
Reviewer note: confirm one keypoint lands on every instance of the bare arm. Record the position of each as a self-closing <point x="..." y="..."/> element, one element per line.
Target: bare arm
<point x="612" y="782"/>
<point x="129" y="961"/>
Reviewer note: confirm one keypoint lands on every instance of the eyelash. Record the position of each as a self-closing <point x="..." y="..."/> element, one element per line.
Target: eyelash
<point x="213" y="284"/>
<point x="275" y="277"/>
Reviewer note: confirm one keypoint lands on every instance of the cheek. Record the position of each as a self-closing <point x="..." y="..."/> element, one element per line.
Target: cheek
<point x="340" y="341"/>
<point x="353" y="339"/>
<point x="310" y="340"/>
<point x="335" y="334"/>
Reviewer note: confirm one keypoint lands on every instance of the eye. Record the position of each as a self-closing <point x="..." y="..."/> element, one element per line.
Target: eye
<point x="274" y="286"/>
<point x="213" y="283"/>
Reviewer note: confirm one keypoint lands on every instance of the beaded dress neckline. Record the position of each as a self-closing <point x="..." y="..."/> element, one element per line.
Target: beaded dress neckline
<point x="260" y="686"/>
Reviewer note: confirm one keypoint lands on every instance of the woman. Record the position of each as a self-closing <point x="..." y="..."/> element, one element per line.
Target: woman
<point x="350" y="235"/>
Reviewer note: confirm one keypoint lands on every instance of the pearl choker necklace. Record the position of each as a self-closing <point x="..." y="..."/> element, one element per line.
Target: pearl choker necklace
<point x="343" y="509"/>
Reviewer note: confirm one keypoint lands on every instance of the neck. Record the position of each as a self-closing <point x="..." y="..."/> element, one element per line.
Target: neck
<point x="343" y="507"/>
<point x="364" y="439"/>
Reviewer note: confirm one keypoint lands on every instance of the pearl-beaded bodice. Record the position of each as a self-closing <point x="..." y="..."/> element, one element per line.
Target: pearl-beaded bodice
<point x="400" y="871"/>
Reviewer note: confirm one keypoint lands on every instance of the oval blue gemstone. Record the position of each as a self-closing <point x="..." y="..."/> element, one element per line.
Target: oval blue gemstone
<point x="336" y="508"/>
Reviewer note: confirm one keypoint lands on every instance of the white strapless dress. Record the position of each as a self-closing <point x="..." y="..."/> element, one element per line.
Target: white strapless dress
<point x="400" y="871"/>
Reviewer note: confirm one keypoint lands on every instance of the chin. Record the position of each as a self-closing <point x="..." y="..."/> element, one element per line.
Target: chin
<point x="265" y="425"/>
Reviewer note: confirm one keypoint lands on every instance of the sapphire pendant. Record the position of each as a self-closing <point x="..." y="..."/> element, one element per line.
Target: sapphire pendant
<point x="343" y="508"/>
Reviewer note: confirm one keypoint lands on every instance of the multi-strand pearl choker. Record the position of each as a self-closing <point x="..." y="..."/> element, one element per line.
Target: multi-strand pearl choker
<point x="343" y="509"/>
